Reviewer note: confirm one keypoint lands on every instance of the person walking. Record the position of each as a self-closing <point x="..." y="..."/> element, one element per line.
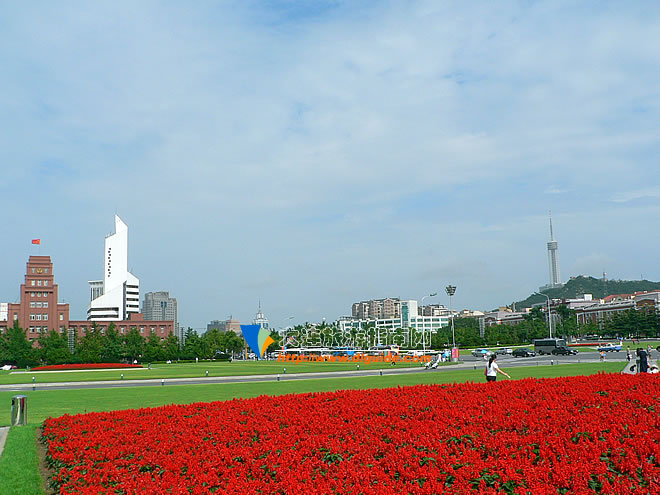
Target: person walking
<point x="493" y="369"/>
<point x="628" y="354"/>
<point x="602" y="356"/>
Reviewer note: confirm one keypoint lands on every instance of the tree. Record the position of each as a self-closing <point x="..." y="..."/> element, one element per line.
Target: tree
<point x="277" y="342"/>
<point x="153" y="349"/>
<point x="90" y="346"/>
<point x="192" y="348"/>
<point x="134" y="344"/>
<point x="171" y="347"/>
<point x="54" y="348"/>
<point x="213" y="341"/>
<point x="235" y="344"/>
<point x="19" y="350"/>
<point x="112" y="346"/>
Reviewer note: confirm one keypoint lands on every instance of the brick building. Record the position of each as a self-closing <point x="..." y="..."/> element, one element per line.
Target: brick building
<point x="39" y="311"/>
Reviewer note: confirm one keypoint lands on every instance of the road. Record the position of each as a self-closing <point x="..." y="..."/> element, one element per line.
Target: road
<point x="467" y="362"/>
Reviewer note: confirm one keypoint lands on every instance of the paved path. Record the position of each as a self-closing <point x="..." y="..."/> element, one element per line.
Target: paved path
<point x="464" y="365"/>
<point x="3" y="437"/>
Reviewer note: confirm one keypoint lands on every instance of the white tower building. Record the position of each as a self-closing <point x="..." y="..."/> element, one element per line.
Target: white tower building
<point x="260" y="319"/>
<point x="553" y="260"/>
<point x="118" y="294"/>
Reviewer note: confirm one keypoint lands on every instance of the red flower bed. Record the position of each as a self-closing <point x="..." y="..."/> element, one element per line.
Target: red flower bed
<point x="595" y="434"/>
<point x="89" y="366"/>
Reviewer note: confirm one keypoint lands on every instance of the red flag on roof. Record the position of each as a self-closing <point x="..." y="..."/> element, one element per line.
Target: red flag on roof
<point x="36" y="241"/>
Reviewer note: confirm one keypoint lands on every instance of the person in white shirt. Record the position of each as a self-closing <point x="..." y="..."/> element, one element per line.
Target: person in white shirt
<point x="493" y="369"/>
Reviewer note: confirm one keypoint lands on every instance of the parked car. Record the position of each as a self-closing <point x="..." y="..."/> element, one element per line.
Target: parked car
<point x="523" y="352"/>
<point x="609" y="347"/>
<point x="504" y="351"/>
<point x="565" y="351"/>
<point x="481" y="352"/>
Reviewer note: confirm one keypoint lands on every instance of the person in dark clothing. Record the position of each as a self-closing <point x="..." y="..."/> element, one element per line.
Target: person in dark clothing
<point x="643" y="360"/>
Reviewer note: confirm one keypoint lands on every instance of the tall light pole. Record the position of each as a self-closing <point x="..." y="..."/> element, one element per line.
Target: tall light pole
<point x="549" y="315"/>
<point x="451" y="290"/>
<point x="421" y="310"/>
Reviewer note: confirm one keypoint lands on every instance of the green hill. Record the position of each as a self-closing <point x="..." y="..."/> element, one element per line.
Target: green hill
<point x="598" y="287"/>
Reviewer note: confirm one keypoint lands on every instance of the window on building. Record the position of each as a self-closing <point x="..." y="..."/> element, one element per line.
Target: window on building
<point x="39" y="304"/>
<point x="141" y="329"/>
<point x="46" y="282"/>
<point x="46" y="304"/>
<point x="61" y="317"/>
<point x="31" y="329"/>
<point x="31" y="294"/>
<point x="39" y="282"/>
<point x="45" y="270"/>
<point x="32" y="304"/>
<point x="38" y="316"/>
<point x="33" y="270"/>
<point x="38" y="294"/>
<point x="32" y="283"/>
<point x="15" y="316"/>
<point x="32" y="317"/>
<point x="46" y="316"/>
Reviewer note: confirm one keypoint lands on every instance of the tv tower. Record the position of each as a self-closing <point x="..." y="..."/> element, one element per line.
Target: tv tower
<point x="553" y="259"/>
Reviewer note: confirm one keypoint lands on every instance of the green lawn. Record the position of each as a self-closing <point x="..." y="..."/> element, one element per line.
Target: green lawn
<point x="18" y="464"/>
<point x="45" y="403"/>
<point x="191" y="370"/>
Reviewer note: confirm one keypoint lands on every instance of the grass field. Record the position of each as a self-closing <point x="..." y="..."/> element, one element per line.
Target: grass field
<point x="190" y="370"/>
<point x="18" y="464"/>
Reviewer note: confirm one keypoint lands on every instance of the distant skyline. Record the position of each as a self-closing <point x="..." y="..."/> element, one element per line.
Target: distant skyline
<point x="310" y="155"/>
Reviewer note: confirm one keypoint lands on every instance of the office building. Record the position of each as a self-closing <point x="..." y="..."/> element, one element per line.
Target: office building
<point x="159" y="306"/>
<point x="117" y="296"/>
<point x="225" y="325"/>
<point x="38" y="311"/>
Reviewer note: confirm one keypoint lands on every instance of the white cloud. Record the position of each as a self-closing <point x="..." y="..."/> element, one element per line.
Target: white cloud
<point x="215" y="125"/>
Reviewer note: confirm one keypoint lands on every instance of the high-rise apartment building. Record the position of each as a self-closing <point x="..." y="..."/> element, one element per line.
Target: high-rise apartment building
<point x="118" y="294"/>
<point x="389" y="307"/>
<point x="159" y="306"/>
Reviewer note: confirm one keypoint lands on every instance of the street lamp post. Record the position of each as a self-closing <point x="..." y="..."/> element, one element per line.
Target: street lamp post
<point x="549" y="315"/>
<point x="451" y="290"/>
<point x="421" y="310"/>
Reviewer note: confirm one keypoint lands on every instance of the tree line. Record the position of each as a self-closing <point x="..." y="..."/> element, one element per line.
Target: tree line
<point x="110" y="346"/>
<point x="630" y="323"/>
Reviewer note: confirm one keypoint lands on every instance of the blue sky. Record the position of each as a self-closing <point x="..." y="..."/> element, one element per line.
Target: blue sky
<point x="315" y="154"/>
